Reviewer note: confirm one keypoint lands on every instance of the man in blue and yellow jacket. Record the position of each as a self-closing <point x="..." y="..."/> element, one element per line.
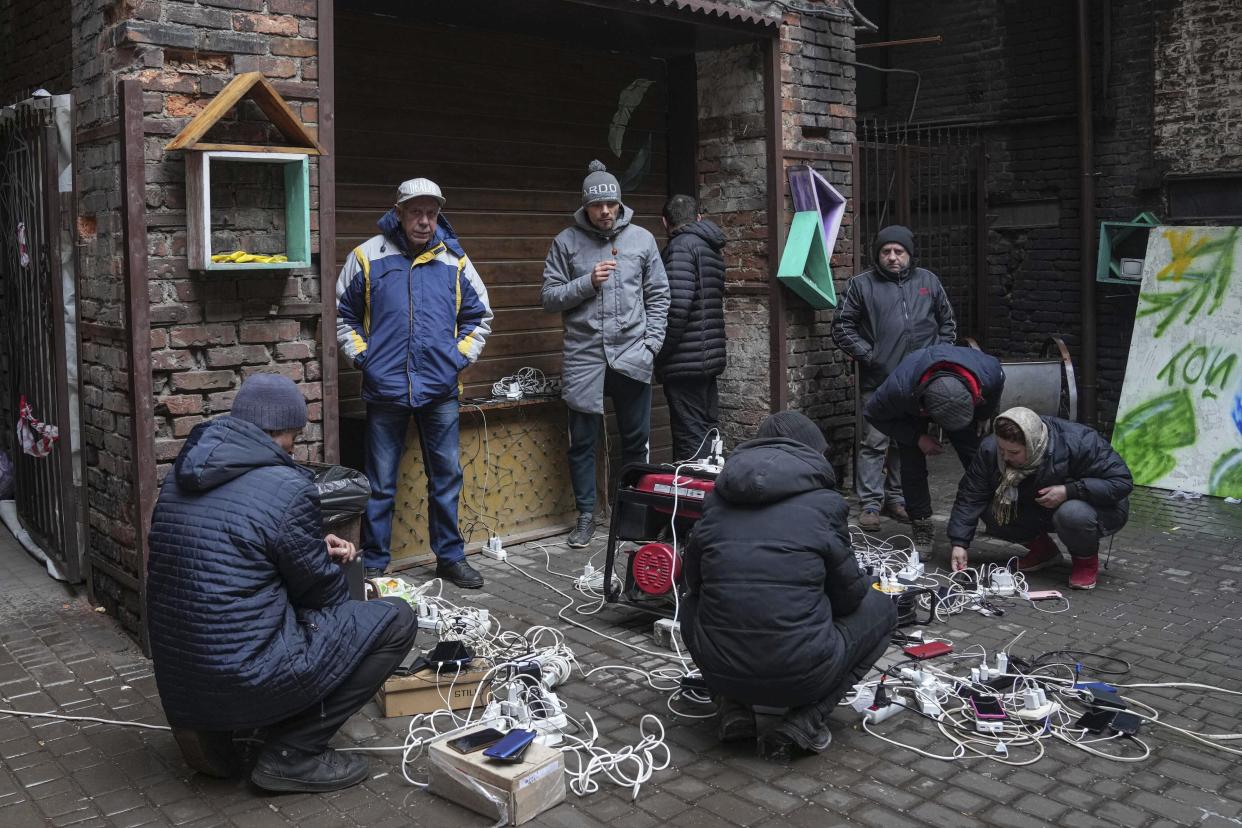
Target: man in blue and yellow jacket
<point x="412" y="313"/>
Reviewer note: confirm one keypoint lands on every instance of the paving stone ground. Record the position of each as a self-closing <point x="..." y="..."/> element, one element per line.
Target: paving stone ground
<point x="1169" y="603"/>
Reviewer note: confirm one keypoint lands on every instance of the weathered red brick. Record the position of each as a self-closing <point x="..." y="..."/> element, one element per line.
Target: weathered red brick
<point x="265" y="23"/>
<point x="293" y="350"/>
<point x="182" y="426"/>
<point x="168" y="449"/>
<point x="292" y="370"/>
<point x="275" y="330"/>
<point x="198" y="336"/>
<point x="238" y="355"/>
<point x="294" y="47"/>
<point x="181" y="404"/>
<point x="203" y="380"/>
<point x="171" y="361"/>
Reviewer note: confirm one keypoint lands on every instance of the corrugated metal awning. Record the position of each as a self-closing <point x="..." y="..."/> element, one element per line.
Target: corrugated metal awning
<point x="722" y="11"/>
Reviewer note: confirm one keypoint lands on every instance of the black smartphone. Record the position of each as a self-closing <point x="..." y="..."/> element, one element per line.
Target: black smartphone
<point x="1094" y="721"/>
<point x="449" y="654"/>
<point x="1125" y="724"/>
<point x="1106" y="698"/>
<point x="477" y="740"/>
<point x="511" y="747"/>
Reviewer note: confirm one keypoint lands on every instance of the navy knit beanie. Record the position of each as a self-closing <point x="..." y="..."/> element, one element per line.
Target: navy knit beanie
<point x="270" y="401"/>
<point x="793" y="425"/>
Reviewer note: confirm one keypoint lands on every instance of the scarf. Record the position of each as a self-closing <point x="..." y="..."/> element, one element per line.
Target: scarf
<point x="1035" y="437"/>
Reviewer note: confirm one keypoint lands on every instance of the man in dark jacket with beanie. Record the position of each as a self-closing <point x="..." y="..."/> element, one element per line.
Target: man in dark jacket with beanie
<point x="776" y="611"/>
<point x="888" y="311"/>
<point x="693" y="354"/>
<point x="250" y="620"/>
<point x="959" y="389"/>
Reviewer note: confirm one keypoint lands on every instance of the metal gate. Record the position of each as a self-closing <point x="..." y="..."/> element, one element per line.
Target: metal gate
<point x="39" y="325"/>
<point x="933" y="180"/>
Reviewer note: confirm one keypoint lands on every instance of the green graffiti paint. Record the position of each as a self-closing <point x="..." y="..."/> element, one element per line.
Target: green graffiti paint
<point x="1226" y="477"/>
<point x="1147" y="434"/>
<point x="1205" y="265"/>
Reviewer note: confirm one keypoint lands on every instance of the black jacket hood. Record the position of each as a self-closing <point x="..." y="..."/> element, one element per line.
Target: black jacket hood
<point x="773" y="468"/>
<point x="705" y="229"/>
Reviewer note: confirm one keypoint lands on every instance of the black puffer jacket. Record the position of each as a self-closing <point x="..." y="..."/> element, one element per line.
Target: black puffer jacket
<point x="250" y="621"/>
<point x="768" y="568"/>
<point x="694" y="342"/>
<point x="1077" y="456"/>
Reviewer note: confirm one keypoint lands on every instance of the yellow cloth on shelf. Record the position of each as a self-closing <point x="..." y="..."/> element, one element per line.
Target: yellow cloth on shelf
<point x="242" y="257"/>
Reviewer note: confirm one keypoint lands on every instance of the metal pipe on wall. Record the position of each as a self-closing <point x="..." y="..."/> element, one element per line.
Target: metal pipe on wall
<point x="778" y="356"/>
<point x="1086" y="214"/>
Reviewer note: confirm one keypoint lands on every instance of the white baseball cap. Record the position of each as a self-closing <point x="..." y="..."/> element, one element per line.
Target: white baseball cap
<point x="416" y="187"/>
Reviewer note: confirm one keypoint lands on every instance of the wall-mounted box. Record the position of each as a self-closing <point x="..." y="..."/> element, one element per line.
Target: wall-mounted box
<point x="1122" y="244"/>
<point x="294" y="169"/>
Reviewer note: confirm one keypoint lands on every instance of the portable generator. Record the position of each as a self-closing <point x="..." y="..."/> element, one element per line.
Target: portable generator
<point x="649" y="502"/>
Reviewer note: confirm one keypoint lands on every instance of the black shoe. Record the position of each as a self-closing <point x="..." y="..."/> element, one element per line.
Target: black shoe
<point x="460" y="573"/>
<point x="288" y="769"/>
<point x="734" y="722"/>
<point x="375" y="572"/>
<point x="777" y="746"/>
<point x="209" y="752"/>
<point x="583" y="531"/>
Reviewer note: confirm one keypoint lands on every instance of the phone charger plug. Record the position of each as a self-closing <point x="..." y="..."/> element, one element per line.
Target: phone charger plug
<point x="549" y="738"/>
<point x="494" y="549"/>
<point x="988" y="726"/>
<point x="426" y="622"/>
<point x="875" y="715"/>
<point x="930" y="706"/>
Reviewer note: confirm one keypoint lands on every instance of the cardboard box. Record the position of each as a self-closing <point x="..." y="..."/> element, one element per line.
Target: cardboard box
<point x="426" y="692"/>
<point x="516" y="792"/>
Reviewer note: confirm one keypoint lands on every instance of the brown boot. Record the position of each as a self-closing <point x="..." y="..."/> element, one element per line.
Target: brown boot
<point x="869" y="520"/>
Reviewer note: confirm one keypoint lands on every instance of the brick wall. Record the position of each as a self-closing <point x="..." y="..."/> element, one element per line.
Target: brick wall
<point x="37" y="48"/>
<point x="208" y="331"/>
<point x="1011" y="68"/>
<point x="1198" y="99"/>
<point x="817" y="90"/>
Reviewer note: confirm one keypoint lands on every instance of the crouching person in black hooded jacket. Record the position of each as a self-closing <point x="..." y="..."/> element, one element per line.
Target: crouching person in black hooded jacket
<point x="776" y="611"/>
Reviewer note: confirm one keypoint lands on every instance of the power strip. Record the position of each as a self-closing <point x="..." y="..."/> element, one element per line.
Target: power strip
<point x="494" y="550"/>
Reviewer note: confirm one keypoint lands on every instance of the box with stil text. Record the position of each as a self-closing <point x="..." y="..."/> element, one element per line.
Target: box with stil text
<point x="427" y="691"/>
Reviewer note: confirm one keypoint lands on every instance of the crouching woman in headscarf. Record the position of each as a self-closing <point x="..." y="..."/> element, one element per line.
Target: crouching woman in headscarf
<point x="1037" y="475"/>
<point x="777" y="612"/>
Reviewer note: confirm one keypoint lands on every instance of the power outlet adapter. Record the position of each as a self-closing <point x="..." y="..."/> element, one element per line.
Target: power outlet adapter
<point x="875" y="715"/>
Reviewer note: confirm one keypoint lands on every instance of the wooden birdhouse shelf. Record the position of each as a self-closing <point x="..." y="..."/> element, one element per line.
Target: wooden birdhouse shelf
<point x="292" y="157"/>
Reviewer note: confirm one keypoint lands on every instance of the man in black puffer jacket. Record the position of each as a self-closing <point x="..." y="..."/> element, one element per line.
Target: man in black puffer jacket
<point x="250" y="618"/>
<point x="693" y="355"/>
<point x="776" y="610"/>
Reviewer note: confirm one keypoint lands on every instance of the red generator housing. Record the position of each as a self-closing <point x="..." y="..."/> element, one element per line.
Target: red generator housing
<point x="649" y="502"/>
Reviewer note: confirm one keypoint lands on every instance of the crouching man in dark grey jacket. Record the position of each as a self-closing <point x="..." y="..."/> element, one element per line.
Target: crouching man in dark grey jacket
<point x="1037" y="475"/>
<point x="776" y="611"/>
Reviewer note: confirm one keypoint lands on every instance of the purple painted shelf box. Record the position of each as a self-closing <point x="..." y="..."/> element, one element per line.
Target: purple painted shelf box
<point x="811" y="192"/>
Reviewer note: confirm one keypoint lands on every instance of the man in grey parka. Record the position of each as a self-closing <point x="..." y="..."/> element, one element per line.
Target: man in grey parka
<point x="605" y="277"/>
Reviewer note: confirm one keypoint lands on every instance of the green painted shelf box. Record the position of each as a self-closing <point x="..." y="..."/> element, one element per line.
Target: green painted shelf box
<point x="295" y="169"/>
<point x="804" y="267"/>
<point x="1123" y="246"/>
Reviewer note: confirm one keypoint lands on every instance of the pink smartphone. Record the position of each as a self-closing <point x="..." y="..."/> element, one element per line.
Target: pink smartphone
<point x="987" y="707"/>
<point x="1043" y="595"/>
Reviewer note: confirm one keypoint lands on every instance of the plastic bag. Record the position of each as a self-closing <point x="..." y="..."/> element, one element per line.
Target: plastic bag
<point x="8" y="476"/>
<point x="343" y="492"/>
<point x="36" y="437"/>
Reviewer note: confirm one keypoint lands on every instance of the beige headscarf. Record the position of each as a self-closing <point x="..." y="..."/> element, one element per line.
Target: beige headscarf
<point x="1035" y="434"/>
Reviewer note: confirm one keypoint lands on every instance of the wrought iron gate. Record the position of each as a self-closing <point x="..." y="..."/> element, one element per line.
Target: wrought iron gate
<point x="931" y="179"/>
<point x="39" y="325"/>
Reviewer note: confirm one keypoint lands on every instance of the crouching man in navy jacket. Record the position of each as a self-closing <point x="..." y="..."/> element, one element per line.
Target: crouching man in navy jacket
<point x="251" y="624"/>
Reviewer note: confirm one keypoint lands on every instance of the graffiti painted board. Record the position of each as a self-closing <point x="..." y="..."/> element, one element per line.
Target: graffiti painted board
<point x="1179" y="423"/>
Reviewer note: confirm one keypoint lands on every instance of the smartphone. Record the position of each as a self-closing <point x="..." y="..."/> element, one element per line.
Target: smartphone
<point x="1094" y="721"/>
<point x="477" y="740"/>
<point x="987" y="707"/>
<point x="1125" y="724"/>
<point x="511" y="747"/>
<point x="929" y="650"/>
<point x="449" y="654"/>
<point x="1044" y="595"/>
<point x="1106" y="698"/>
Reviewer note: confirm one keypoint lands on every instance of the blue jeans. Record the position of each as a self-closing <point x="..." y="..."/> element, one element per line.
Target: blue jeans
<point x="387" y="424"/>
<point x="631" y="400"/>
